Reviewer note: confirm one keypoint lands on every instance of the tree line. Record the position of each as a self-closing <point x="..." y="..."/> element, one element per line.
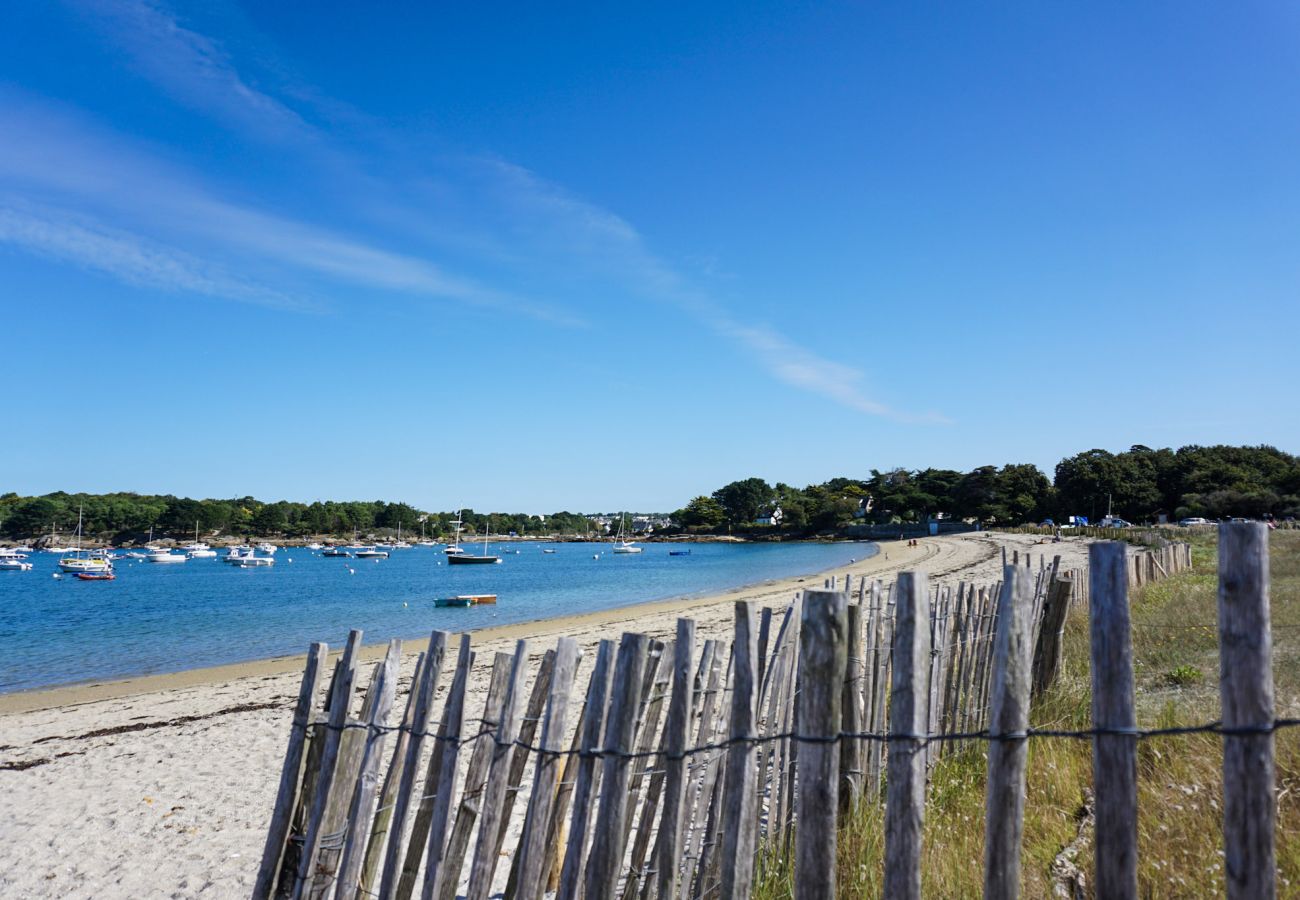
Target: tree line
<point x="1139" y="484"/>
<point x="129" y="515"/>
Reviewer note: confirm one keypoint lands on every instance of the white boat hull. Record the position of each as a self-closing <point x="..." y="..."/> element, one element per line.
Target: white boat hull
<point x="85" y="565"/>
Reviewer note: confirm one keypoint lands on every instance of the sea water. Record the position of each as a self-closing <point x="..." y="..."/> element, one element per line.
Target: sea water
<point x="168" y="618"/>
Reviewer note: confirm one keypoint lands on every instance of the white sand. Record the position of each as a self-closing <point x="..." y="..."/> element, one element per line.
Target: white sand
<point x="179" y="808"/>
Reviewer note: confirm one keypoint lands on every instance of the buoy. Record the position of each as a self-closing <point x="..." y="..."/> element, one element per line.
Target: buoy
<point x="57" y="575"/>
<point x="352" y="571"/>
<point x="595" y="556"/>
<point x="291" y="559"/>
<point x="404" y="604"/>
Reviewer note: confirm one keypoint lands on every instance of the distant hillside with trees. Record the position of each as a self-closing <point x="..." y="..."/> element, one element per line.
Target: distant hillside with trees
<point x="1138" y="484"/>
<point x="128" y="515"/>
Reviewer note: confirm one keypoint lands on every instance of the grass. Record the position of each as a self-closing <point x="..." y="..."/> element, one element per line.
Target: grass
<point x="1179" y="778"/>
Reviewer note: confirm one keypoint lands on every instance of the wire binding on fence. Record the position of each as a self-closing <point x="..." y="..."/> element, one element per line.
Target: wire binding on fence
<point x="922" y="740"/>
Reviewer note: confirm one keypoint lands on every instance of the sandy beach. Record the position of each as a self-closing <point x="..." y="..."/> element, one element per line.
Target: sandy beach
<point x="161" y="786"/>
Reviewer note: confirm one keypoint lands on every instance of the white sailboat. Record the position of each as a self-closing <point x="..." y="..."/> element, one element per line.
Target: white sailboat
<point x="623" y="545"/>
<point x="198" y="549"/>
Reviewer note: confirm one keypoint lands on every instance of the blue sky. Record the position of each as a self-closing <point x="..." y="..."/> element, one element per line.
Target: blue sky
<point x="543" y="257"/>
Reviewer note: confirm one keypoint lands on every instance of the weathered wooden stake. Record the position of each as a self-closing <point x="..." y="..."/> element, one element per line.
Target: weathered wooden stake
<point x="501" y="749"/>
<point x="340" y="700"/>
<point x="362" y="807"/>
<point x="850" y="773"/>
<point x="738" y="819"/>
<point x="1047" y="653"/>
<point x="532" y="851"/>
<point x="905" y="795"/>
<point x="669" y="848"/>
<point x="1008" y="749"/>
<point x="286" y="797"/>
<point x="823" y="652"/>
<point x="1114" y="757"/>
<point x="606" y="858"/>
<point x="1246" y="695"/>
<point x="584" y="790"/>
<point x="424" y="692"/>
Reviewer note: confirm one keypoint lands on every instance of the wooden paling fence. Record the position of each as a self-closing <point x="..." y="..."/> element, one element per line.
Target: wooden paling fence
<point x="684" y="760"/>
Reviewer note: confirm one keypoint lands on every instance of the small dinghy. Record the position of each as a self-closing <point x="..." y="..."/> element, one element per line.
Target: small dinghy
<point x="96" y="576"/>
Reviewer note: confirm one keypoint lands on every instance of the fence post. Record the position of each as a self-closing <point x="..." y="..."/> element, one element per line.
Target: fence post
<point x="738" y="820"/>
<point x="1114" y="756"/>
<point x="850" y="774"/>
<point x="484" y="861"/>
<point x="620" y="733"/>
<point x="1246" y="694"/>
<point x="423" y="690"/>
<point x="908" y="716"/>
<point x="823" y="651"/>
<point x="1047" y="653"/>
<point x="584" y="788"/>
<point x="669" y="849"/>
<point x="286" y="797"/>
<point x="1005" y="804"/>
<point x="532" y="850"/>
<point x="362" y="806"/>
<point x="340" y="700"/>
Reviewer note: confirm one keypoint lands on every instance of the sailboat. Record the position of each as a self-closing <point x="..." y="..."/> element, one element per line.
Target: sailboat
<point x="453" y="549"/>
<point x="400" y="544"/>
<point x="462" y="558"/>
<point x="198" y="549"/>
<point x="77" y="562"/>
<point x="624" y="545"/>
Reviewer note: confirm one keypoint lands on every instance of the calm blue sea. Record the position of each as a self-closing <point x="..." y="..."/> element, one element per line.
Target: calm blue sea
<point x="157" y="618"/>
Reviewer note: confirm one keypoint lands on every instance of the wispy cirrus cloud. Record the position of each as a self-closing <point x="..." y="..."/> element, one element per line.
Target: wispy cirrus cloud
<point x="190" y="67"/>
<point x="128" y="257"/>
<point x="510" y="216"/>
<point x="58" y="156"/>
<point x="612" y="241"/>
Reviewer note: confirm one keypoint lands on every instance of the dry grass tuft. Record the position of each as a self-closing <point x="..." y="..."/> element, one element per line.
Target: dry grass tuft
<point x="1180" y="795"/>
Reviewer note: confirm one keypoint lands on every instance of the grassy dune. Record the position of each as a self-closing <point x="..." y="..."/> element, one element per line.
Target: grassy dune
<point x="1180" y="798"/>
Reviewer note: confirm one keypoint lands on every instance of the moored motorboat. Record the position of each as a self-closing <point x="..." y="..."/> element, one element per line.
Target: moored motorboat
<point x="335" y="551"/>
<point x="371" y="553"/>
<point x="96" y="576"/>
<point x="251" y="561"/>
<point x="267" y="548"/>
<point x="14" y="564"/>
<point x="202" y="554"/>
<point x="679" y="553"/>
<point x="163" y="555"/>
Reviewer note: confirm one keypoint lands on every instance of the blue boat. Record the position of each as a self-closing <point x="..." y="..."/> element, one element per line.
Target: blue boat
<point x="679" y="553"/>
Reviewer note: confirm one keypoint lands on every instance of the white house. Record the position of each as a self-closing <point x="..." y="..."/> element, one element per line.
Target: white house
<point x="773" y="517"/>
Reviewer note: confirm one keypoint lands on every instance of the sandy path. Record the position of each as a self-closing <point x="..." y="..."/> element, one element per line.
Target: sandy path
<point x="162" y="786"/>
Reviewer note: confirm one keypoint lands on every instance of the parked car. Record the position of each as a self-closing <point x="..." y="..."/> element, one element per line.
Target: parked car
<point x="1115" y="522"/>
<point x="1048" y="523"/>
<point x="1193" y="520"/>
